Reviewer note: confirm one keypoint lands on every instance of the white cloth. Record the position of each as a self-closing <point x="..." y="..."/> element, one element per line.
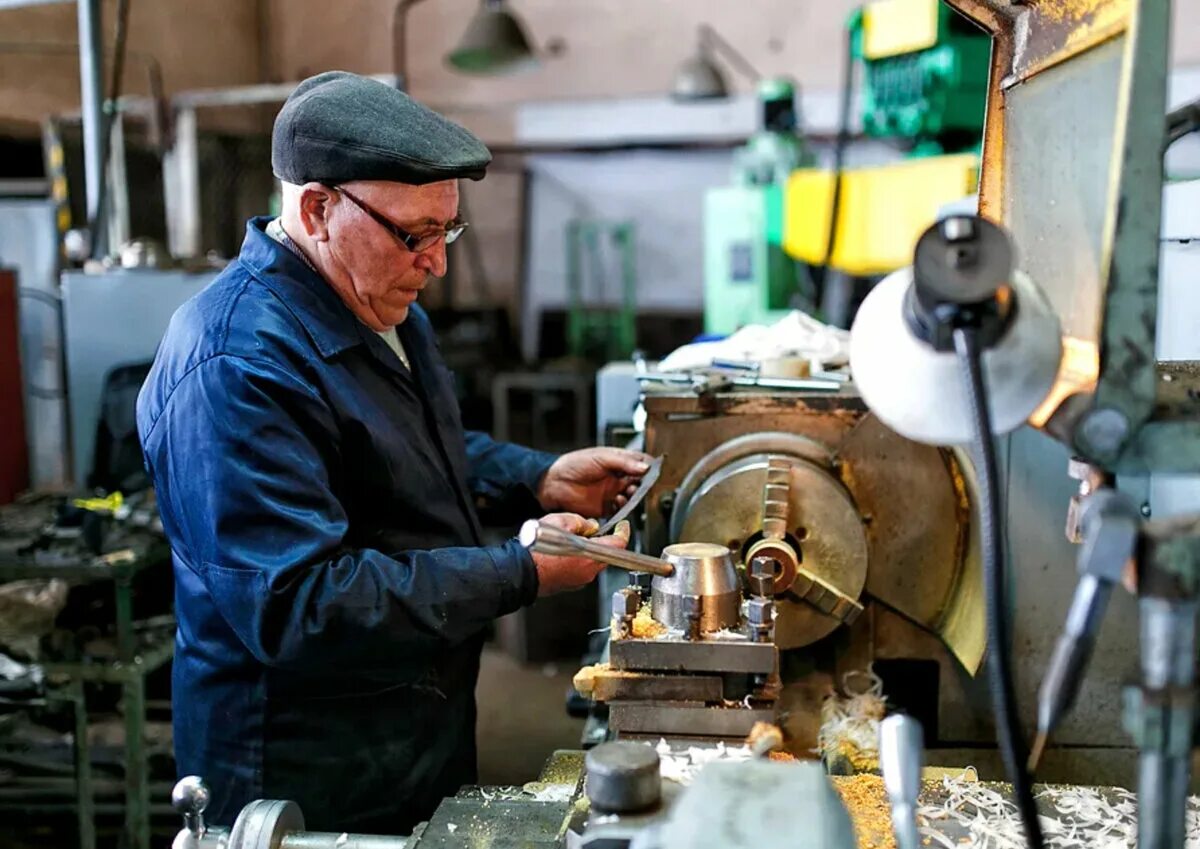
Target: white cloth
<point x="794" y="335"/>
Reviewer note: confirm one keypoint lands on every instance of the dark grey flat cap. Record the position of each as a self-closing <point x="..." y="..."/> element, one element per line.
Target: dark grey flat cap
<point x="337" y="127"/>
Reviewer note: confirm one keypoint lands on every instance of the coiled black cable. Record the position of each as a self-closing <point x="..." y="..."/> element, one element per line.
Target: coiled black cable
<point x="999" y="662"/>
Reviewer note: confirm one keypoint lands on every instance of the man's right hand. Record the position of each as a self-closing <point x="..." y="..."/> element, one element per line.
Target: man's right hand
<point x="558" y="574"/>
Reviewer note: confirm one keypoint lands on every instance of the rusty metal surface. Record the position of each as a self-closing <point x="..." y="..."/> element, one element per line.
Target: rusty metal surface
<point x="1072" y="166"/>
<point x="1178" y="391"/>
<point x="679" y="428"/>
<point x="684" y="718"/>
<point x="617" y="684"/>
<point x="677" y="655"/>
<point x="924" y="562"/>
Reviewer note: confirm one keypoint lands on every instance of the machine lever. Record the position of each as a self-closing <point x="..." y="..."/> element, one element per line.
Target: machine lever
<point x="901" y="745"/>
<point x="547" y="539"/>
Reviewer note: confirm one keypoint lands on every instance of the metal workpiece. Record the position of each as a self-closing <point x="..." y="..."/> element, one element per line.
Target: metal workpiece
<point x="901" y="751"/>
<point x="623" y="777"/>
<point x="547" y="539"/>
<point x="703" y="571"/>
<point x="1160" y="715"/>
<point x="644" y="486"/>
<point x="710" y="655"/>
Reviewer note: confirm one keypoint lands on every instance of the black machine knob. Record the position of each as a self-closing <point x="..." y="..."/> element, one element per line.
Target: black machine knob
<point x="623" y="777"/>
<point x="961" y="271"/>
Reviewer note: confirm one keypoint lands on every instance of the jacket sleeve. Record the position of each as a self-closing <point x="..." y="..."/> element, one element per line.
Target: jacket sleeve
<point x="245" y="457"/>
<point x="501" y="471"/>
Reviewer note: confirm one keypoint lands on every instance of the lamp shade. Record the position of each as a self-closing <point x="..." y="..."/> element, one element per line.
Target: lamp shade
<point x="494" y="43"/>
<point x="698" y="78"/>
<point x="918" y="391"/>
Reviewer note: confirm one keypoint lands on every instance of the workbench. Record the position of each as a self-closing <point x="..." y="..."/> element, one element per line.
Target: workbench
<point x="128" y="553"/>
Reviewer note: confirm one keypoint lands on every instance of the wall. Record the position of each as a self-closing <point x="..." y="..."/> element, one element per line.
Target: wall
<point x="609" y="48"/>
<point x="210" y="43"/>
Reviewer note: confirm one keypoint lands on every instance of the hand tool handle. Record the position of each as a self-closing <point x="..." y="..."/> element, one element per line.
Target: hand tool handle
<point x="547" y="539"/>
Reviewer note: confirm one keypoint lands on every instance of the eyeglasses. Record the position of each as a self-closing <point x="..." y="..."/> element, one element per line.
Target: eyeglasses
<point x="412" y="241"/>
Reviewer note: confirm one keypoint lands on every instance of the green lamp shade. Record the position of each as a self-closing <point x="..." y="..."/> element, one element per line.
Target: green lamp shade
<point x="494" y="43"/>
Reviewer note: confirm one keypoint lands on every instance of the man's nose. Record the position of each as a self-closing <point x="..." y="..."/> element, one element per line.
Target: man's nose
<point x="432" y="260"/>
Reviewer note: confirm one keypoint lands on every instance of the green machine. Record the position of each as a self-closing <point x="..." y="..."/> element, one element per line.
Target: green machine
<point x="925" y="74"/>
<point x="748" y="279"/>
<point x="924" y="86"/>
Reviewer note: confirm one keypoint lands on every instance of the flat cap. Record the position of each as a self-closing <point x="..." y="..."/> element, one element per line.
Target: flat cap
<point x="337" y="127"/>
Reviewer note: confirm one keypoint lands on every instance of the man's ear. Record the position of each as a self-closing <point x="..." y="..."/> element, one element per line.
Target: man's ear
<point x="316" y="203"/>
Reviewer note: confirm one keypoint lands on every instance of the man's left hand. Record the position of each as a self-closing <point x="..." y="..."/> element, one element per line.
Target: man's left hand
<point x="593" y="482"/>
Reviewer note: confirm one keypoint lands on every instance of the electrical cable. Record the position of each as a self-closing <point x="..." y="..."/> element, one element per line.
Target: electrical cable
<point x="839" y="156"/>
<point x="1182" y="121"/>
<point x="999" y="661"/>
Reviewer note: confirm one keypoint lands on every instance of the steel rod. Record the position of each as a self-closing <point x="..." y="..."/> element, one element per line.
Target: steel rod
<point x="547" y="539"/>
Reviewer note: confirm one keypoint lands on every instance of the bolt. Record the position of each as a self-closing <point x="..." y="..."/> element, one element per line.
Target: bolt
<point x="1103" y="431"/>
<point x="760" y="614"/>
<point x="690" y="605"/>
<point x="959" y="228"/>
<point x="1145" y="509"/>
<point x="626" y="602"/>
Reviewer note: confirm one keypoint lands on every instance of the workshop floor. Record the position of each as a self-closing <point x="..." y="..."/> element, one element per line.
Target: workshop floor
<point x="522" y="717"/>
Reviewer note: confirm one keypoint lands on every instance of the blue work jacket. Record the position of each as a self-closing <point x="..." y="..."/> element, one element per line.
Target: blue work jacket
<point x="331" y="587"/>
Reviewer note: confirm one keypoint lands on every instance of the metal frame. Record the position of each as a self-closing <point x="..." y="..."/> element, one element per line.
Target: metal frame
<point x="1107" y="403"/>
<point x="129" y="670"/>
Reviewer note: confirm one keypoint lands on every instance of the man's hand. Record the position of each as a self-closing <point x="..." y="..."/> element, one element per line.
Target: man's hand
<point x="592" y="482"/>
<point x="557" y="574"/>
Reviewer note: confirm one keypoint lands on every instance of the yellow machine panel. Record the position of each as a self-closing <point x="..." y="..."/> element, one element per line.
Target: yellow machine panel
<point x="882" y="211"/>
<point x="895" y="27"/>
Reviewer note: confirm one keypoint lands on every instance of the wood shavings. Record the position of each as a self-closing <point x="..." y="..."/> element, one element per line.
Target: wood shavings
<point x="850" y="723"/>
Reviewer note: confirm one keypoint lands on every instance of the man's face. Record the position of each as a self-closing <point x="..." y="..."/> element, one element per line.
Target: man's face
<point x="380" y="275"/>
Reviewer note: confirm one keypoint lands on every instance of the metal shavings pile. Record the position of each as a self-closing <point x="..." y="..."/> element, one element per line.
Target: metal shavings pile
<point x="645" y="626"/>
<point x="1084" y="818"/>
<point x="850" y="723"/>
<point x="682" y="766"/>
<point x="866" y="801"/>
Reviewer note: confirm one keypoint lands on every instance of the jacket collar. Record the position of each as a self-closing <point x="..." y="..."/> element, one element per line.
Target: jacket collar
<point x="328" y="322"/>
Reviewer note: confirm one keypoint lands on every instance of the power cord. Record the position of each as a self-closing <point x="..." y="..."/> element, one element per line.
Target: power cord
<point x="999" y="663"/>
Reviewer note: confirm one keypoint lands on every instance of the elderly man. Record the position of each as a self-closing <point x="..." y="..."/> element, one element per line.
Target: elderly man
<point x="319" y="491"/>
